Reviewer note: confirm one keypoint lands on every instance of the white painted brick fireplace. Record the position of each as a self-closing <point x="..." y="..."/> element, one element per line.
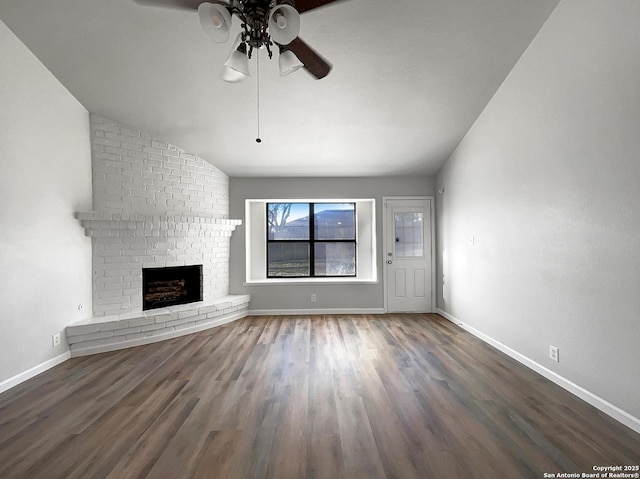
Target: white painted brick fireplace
<point x="155" y="206"/>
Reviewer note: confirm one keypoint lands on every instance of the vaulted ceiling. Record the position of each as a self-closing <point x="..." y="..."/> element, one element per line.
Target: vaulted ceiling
<point x="409" y="78"/>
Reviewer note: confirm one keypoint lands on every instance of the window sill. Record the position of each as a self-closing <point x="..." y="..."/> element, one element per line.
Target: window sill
<point x="281" y="281"/>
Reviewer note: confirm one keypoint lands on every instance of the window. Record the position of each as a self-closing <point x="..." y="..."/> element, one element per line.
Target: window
<point x="311" y="240"/>
<point x="409" y="240"/>
<point x="333" y="259"/>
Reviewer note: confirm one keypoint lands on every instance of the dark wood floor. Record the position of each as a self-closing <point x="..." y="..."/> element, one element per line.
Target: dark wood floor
<point x="393" y="396"/>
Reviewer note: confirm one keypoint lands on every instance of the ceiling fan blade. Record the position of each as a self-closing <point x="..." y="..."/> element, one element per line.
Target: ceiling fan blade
<point x="313" y="63"/>
<point x="177" y="4"/>
<point x="306" y="5"/>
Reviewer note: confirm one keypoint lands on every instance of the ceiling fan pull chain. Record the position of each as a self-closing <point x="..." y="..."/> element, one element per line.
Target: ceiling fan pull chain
<point x="258" y="139"/>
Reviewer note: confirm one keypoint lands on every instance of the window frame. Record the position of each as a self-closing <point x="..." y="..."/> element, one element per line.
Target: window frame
<point x="312" y="240"/>
<point x="368" y="250"/>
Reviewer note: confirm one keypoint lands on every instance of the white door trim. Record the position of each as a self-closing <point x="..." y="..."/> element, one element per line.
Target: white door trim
<point x="385" y="239"/>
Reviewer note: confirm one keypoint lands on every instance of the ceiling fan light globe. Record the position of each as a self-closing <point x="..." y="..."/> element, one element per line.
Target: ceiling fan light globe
<point x="215" y="20"/>
<point x="239" y="62"/>
<point x="284" y="24"/>
<point x="288" y="63"/>
<point x="231" y="76"/>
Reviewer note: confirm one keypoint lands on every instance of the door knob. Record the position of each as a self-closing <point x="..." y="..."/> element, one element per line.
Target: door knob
<point x="389" y="261"/>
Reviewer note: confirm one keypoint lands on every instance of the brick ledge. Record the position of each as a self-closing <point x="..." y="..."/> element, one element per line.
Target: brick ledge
<point x="110" y="333"/>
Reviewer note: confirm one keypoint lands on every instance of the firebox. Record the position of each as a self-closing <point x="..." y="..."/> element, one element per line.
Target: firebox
<point x="169" y="286"/>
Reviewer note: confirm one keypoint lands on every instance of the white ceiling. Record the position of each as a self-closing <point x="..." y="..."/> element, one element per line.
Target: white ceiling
<point x="409" y="78"/>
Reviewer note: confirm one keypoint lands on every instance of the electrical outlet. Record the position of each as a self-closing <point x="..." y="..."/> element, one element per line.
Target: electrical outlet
<point x="55" y="339"/>
<point x="554" y="353"/>
<point x="313" y="298"/>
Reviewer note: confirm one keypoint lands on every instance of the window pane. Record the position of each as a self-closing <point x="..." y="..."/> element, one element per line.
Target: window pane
<point x="409" y="235"/>
<point x="335" y="259"/>
<point x="288" y="260"/>
<point x="334" y="221"/>
<point x="287" y="221"/>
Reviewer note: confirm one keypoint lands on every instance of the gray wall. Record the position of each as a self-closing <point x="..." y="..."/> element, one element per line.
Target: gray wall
<point x="45" y="165"/>
<point x="547" y="182"/>
<point x="297" y="296"/>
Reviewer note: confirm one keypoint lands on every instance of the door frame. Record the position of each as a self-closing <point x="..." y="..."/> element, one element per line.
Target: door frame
<point x="386" y="239"/>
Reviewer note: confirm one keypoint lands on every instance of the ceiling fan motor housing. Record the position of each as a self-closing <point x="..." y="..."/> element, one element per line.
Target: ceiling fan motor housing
<point x="254" y="15"/>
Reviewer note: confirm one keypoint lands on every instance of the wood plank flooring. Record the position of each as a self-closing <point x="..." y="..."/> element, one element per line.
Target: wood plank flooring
<point x="333" y="397"/>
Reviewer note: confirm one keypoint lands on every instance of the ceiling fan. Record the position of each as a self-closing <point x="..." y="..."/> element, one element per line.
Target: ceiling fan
<point x="264" y="23"/>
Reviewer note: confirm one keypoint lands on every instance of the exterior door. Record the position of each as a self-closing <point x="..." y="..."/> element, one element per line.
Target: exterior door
<point x="408" y="255"/>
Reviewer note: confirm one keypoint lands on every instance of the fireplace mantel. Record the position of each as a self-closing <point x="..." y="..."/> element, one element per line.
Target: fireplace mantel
<point x="103" y="224"/>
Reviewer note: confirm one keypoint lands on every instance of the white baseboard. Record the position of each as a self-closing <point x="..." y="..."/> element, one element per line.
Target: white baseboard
<point x="603" y="405"/>
<point x="34" y="371"/>
<point x="297" y="312"/>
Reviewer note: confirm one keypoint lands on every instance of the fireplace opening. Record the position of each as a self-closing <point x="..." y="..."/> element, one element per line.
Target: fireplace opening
<point x="163" y="287"/>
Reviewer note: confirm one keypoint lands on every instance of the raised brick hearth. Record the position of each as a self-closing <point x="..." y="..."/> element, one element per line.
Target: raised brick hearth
<point x="108" y="333"/>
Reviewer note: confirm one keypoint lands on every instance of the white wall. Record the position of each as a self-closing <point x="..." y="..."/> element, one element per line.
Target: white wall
<point x="329" y="296"/>
<point x="45" y="175"/>
<point x="547" y="181"/>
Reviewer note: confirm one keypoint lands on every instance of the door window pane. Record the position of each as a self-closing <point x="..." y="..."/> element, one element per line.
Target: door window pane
<point x="409" y="241"/>
<point x="335" y="259"/>
<point x="288" y="259"/>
